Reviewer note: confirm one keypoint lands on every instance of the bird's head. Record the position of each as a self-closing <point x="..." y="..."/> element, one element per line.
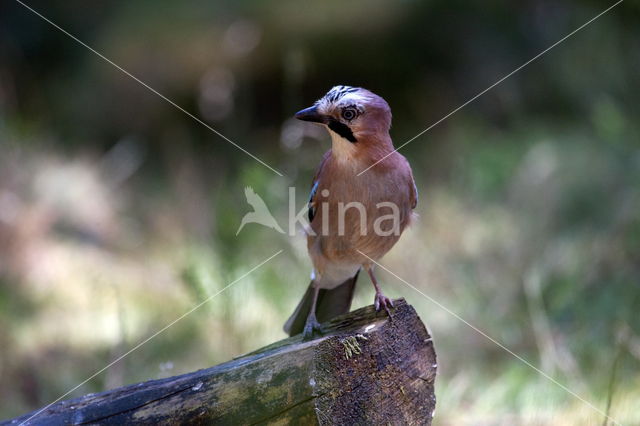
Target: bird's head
<point x="350" y="113"/>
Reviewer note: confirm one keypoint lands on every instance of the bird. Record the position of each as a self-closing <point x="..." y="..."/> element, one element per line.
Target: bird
<point x="260" y="213"/>
<point x="355" y="218"/>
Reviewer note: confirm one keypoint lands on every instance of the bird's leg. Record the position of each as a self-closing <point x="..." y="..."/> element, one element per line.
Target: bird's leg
<point x="380" y="299"/>
<point x="312" y="325"/>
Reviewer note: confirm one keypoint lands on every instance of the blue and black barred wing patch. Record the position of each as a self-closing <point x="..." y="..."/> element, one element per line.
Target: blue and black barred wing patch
<point x="311" y="204"/>
<point x="414" y="201"/>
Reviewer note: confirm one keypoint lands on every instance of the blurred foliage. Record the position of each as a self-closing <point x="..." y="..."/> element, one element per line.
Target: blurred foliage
<point x="118" y="213"/>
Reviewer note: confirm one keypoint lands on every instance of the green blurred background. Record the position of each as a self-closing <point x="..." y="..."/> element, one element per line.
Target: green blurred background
<point x="118" y="212"/>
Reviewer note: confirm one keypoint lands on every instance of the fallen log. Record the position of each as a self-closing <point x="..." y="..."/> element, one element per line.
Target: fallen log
<point x="366" y="369"/>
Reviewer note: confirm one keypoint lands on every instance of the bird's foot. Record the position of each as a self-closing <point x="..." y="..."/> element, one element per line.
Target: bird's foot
<point x="312" y="328"/>
<point x="382" y="301"/>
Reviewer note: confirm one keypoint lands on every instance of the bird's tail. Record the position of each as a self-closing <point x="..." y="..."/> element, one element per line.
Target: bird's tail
<point x="331" y="303"/>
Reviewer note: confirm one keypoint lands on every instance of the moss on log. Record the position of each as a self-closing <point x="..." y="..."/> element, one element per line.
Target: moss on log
<point x="367" y="369"/>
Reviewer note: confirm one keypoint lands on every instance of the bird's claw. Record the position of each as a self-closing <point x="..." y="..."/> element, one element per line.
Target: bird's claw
<point x="383" y="301"/>
<point x="311" y="328"/>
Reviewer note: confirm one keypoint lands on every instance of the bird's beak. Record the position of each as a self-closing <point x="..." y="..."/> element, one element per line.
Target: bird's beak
<point x="310" y="114"/>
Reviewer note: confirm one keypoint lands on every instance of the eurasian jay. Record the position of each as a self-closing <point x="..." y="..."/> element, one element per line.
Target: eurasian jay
<point x="352" y="219"/>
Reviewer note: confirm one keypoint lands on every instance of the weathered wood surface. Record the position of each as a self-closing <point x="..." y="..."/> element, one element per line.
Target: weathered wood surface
<point x="365" y="370"/>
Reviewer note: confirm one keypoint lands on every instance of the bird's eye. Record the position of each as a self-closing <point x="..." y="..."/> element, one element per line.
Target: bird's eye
<point x="349" y="114"/>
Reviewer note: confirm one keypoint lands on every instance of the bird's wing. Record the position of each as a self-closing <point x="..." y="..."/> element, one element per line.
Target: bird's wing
<point x="311" y="205"/>
<point x="413" y="189"/>
<point x="254" y="200"/>
<point x="314" y="188"/>
<point x="413" y="193"/>
<point x="249" y="194"/>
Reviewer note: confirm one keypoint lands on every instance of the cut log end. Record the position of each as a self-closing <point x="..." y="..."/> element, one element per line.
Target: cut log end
<point x="387" y="378"/>
<point x="367" y="369"/>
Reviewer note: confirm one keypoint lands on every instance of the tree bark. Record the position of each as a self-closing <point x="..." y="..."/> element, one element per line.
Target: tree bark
<point x="366" y="369"/>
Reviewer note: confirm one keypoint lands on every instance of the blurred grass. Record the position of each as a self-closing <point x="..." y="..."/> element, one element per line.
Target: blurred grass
<point x="118" y="213"/>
